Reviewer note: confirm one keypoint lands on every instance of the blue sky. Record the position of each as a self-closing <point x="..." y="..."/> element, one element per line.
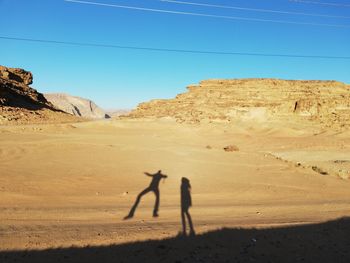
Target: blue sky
<point x="122" y="78"/>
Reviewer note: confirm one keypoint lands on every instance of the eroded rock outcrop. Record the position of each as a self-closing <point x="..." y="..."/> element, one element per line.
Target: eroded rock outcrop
<point x="77" y="106"/>
<point x="259" y="100"/>
<point x="16" y="74"/>
<point x="20" y="103"/>
<point x="15" y="92"/>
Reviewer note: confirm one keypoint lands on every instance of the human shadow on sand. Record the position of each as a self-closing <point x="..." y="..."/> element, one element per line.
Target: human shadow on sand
<point x="324" y="242"/>
<point x="186" y="203"/>
<point x="153" y="187"/>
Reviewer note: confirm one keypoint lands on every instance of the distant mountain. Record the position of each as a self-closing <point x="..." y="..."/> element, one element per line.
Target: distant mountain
<point x="114" y="113"/>
<point x="76" y="105"/>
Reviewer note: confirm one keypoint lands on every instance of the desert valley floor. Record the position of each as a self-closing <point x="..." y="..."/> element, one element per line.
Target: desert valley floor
<point x="66" y="185"/>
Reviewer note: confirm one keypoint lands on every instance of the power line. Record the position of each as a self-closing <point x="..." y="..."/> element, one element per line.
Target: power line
<point x="321" y="3"/>
<point x="172" y="50"/>
<point x="250" y="9"/>
<point x="204" y="15"/>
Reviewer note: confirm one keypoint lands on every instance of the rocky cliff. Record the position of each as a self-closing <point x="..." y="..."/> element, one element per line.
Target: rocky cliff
<point x="20" y="103"/>
<point x="15" y="92"/>
<point x="77" y="106"/>
<point x="16" y="74"/>
<point x="259" y="100"/>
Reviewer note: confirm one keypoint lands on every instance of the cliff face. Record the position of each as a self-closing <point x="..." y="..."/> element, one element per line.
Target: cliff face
<point x="259" y="100"/>
<point x="16" y="74"/>
<point x="77" y="106"/>
<point x="15" y="92"/>
<point x="20" y="103"/>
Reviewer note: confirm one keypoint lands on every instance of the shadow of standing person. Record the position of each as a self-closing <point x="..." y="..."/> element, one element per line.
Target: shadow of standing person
<point x="153" y="187"/>
<point x="186" y="202"/>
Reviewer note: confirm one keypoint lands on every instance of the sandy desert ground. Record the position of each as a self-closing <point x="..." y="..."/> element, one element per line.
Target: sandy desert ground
<point x="65" y="185"/>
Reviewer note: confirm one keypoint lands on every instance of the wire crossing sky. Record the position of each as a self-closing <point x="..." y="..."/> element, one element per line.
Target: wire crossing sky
<point x="202" y="14"/>
<point x="321" y="3"/>
<point x="250" y="9"/>
<point x="173" y="50"/>
<point x="120" y="57"/>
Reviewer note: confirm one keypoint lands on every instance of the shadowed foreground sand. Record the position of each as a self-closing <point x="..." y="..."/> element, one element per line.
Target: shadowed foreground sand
<point x="72" y="184"/>
<point x="326" y="242"/>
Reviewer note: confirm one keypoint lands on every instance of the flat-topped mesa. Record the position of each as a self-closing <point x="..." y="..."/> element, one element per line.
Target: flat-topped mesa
<point x="325" y="102"/>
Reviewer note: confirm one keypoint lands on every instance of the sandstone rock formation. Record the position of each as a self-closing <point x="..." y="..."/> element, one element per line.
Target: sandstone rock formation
<point x="16" y="92"/>
<point x="259" y="100"/>
<point x="77" y="106"/>
<point x="20" y="103"/>
<point x="16" y="74"/>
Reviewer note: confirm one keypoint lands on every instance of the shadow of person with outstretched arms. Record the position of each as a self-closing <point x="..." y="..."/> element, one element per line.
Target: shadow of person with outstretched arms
<point x="186" y="203"/>
<point x="153" y="187"/>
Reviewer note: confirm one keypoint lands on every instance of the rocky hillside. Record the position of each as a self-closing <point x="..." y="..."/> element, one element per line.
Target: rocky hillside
<point x="77" y="106"/>
<point x="259" y="100"/>
<point x="20" y="103"/>
<point x="15" y="91"/>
